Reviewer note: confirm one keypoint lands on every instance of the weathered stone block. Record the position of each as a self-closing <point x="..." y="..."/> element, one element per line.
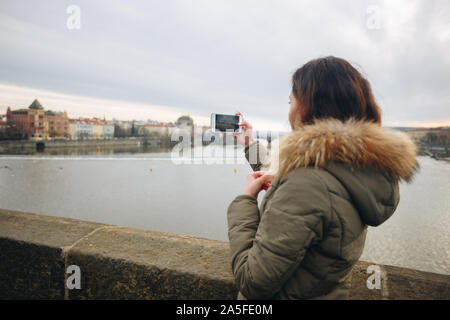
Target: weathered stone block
<point x="121" y="263"/>
<point x="31" y="262"/>
<point x="30" y="271"/>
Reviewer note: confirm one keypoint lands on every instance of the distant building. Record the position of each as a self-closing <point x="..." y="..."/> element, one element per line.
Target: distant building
<point x="418" y="134"/>
<point x="97" y="128"/>
<point x="72" y="129"/>
<point x="161" y="130"/>
<point x="440" y="136"/>
<point x="185" y="122"/>
<point x="3" y="129"/>
<point x="81" y="129"/>
<point x="37" y="124"/>
<point x="85" y="130"/>
<point x="28" y="123"/>
<point x="122" y="128"/>
<point x="108" y="131"/>
<point x="184" y="128"/>
<point x="58" y="124"/>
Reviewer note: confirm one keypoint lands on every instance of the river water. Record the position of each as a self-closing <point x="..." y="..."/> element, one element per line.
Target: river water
<point x="149" y="191"/>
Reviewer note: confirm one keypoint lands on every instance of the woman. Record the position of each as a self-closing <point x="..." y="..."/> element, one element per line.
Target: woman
<point x="337" y="173"/>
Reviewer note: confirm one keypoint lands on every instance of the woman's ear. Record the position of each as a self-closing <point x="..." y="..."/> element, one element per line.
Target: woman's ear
<point x="294" y="112"/>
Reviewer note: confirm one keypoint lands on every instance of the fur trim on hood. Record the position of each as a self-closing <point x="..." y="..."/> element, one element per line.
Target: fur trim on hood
<point x="361" y="144"/>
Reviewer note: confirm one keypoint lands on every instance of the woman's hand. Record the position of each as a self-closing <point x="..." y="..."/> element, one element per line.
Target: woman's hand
<point x="246" y="136"/>
<point x="256" y="181"/>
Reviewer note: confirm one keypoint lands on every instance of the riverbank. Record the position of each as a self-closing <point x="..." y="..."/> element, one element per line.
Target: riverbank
<point x="64" y="146"/>
<point x="125" y="263"/>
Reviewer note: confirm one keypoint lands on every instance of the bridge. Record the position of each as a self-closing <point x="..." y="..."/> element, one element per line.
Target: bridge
<point x="36" y="251"/>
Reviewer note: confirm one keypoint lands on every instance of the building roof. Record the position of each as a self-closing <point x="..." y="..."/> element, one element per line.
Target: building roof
<point x="36" y="105"/>
<point x="20" y="111"/>
<point x="184" y="119"/>
<point x="54" y="113"/>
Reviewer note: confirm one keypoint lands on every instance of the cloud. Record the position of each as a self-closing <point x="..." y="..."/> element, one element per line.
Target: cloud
<point x="81" y="106"/>
<point x="223" y="56"/>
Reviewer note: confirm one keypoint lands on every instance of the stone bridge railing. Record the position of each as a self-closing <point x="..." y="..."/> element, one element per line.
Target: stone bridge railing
<point x="123" y="263"/>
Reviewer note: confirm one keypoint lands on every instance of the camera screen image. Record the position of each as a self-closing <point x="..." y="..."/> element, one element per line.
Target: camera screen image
<point x="227" y="122"/>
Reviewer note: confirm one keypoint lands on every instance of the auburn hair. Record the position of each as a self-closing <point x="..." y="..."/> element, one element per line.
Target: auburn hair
<point x="331" y="87"/>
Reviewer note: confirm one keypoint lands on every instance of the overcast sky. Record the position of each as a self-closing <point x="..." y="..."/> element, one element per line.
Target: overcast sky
<point x="161" y="59"/>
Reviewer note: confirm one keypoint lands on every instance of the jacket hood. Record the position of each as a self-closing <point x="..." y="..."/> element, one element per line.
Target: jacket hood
<point x="366" y="158"/>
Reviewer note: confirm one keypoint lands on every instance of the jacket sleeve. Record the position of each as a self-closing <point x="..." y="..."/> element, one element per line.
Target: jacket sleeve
<point x="257" y="156"/>
<point x="266" y="252"/>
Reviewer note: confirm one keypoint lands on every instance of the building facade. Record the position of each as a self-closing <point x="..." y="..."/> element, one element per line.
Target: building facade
<point x="85" y="129"/>
<point x="97" y="129"/>
<point x="3" y="129"/>
<point x="122" y="128"/>
<point x="37" y="124"/>
<point x="81" y="129"/>
<point x="185" y="122"/>
<point x="28" y="123"/>
<point x="157" y="130"/>
<point x="108" y="131"/>
<point x="58" y="124"/>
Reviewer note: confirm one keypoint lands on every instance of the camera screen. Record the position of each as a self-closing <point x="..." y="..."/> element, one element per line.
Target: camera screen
<point x="226" y="122"/>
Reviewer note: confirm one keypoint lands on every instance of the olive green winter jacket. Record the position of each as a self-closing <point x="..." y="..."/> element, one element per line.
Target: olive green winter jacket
<point x="333" y="179"/>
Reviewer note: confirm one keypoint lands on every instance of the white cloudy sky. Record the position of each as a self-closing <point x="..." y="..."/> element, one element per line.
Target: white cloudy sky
<point x="161" y="59"/>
